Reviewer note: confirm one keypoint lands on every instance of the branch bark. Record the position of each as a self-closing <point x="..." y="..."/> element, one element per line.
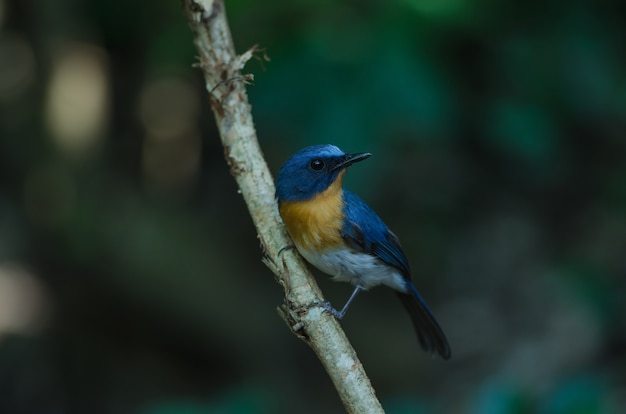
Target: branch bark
<point x="225" y="84"/>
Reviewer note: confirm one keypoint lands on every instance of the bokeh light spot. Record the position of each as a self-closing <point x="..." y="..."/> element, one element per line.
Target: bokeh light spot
<point x="22" y="301"/>
<point x="78" y="97"/>
<point x="169" y="110"/>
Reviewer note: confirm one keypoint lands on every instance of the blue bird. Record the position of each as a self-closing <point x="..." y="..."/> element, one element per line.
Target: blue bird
<point x="337" y="232"/>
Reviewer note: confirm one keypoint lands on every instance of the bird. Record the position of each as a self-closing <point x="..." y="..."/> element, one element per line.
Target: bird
<point x="338" y="233"/>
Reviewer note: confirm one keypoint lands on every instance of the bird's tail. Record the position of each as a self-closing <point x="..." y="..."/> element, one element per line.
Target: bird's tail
<point x="431" y="337"/>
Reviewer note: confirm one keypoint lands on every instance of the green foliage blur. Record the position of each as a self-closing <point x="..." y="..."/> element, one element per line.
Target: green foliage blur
<point x="130" y="274"/>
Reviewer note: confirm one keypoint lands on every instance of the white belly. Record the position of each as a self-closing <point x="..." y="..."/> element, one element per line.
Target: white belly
<point x="360" y="269"/>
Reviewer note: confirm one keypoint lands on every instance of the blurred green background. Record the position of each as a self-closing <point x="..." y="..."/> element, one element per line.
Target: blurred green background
<point x="130" y="274"/>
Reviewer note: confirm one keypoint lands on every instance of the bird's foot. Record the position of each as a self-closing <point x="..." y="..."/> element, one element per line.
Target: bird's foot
<point x="329" y="308"/>
<point x="338" y="314"/>
<point x="287" y="247"/>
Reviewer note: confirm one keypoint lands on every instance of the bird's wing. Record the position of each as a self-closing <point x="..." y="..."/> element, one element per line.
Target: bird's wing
<point x="363" y="230"/>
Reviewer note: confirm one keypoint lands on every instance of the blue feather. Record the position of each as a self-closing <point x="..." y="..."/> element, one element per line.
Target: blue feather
<point x="363" y="230"/>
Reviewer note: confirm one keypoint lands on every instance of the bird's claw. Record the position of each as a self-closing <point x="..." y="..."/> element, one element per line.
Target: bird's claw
<point x="329" y="308"/>
<point x="287" y="247"/>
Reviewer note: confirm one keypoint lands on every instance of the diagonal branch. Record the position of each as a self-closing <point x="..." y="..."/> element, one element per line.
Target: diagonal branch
<point x="221" y="67"/>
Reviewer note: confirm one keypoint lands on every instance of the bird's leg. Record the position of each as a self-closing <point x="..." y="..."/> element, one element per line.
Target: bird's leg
<point x="339" y="314"/>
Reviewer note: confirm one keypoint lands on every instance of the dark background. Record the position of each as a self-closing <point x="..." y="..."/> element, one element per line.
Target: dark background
<point x="130" y="274"/>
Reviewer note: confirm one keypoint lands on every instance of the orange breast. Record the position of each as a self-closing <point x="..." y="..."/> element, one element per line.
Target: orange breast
<point x="315" y="224"/>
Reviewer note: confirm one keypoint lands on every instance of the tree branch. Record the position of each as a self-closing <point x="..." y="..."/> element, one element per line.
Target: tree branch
<point x="221" y="67"/>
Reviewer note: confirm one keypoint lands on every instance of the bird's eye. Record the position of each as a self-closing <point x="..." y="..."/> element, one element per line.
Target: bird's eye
<point x="317" y="164"/>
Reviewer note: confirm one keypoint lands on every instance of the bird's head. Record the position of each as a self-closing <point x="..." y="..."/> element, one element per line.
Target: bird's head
<point x="312" y="170"/>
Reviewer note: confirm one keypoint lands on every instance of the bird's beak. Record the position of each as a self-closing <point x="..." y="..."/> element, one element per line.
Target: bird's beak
<point x="349" y="159"/>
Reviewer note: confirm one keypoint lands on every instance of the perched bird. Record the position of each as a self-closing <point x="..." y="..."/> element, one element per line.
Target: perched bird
<point x="337" y="232"/>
